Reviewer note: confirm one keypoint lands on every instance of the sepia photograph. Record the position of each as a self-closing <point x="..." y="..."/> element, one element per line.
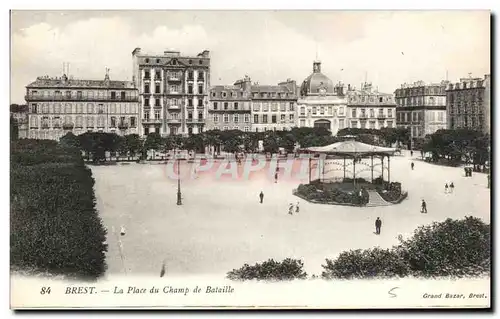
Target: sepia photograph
<point x="244" y="159"/>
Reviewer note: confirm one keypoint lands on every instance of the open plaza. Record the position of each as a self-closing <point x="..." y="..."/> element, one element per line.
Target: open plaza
<point x="221" y="224"/>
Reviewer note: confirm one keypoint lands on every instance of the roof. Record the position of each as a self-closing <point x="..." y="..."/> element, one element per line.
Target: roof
<point x="64" y="82"/>
<point x="233" y="92"/>
<point x="315" y="82"/>
<point x="270" y="89"/>
<point x="351" y="148"/>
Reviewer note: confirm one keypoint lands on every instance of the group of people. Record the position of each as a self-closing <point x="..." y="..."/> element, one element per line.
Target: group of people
<point x="449" y="189"/>
<point x="290" y="207"/>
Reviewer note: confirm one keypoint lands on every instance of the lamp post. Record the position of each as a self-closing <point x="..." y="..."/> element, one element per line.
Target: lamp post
<point x="179" y="195"/>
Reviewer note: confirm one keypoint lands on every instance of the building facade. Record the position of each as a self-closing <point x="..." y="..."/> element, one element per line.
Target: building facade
<point x="468" y="104"/>
<point x="321" y="104"/>
<point x="229" y="107"/>
<point x="57" y="106"/>
<point x="274" y="107"/>
<point x="370" y="109"/>
<point x="20" y="115"/>
<point x="421" y="108"/>
<point x="173" y="91"/>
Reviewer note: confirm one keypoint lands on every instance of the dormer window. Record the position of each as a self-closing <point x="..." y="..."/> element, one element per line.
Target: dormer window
<point x="201" y="61"/>
<point x="224" y="94"/>
<point x="157" y="60"/>
<point x="213" y="94"/>
<point x="174" y="62"/>
<point x="190" y="61"/>
<point x="147" y="60"/>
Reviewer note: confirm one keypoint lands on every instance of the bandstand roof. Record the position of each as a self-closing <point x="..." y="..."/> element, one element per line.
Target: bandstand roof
<point x="351" y="148"/>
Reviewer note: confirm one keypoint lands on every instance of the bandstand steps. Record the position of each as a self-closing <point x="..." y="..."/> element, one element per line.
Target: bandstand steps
<point x="374" y="199"/>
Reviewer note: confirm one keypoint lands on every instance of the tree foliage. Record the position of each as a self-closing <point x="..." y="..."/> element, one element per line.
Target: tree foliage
<point x="270" y="270"/>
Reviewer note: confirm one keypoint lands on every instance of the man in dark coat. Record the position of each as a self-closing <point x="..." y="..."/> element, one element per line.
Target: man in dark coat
<point x="261" y="195"/>
<point x="424" y="207"/>
<point x="412" y="165"/>
<point x="378" y="224"/>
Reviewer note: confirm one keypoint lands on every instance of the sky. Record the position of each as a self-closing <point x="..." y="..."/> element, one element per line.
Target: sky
<point x="388" y="48"/>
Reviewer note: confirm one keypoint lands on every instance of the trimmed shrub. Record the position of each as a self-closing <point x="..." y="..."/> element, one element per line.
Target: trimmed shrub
<point x="362" y="264"/>
<point x="331" y="193"/>
<point x="54" y="226"/>
<point x="456" y="248"/>
<point x="270" y="270"/>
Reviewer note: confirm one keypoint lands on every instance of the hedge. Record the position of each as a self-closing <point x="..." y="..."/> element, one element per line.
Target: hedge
<point x="453" y="248"/>
<point x="55" y="227"/>
<point x="270" y="270"/>
<point x="329" y="193"/>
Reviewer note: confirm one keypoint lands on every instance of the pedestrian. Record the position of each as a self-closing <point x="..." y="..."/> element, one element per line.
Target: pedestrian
<point x="276" y="177"/>
<point x="261" y="195"/>
<point x="297" y="208"/>
<point x="411" y="153"/>
<point x="424" y="207"/>
<point x="452" y="187"/>
<point x="446" y="188"/>
<point x="378" y="224"/>
<point x="122" y="231"/>
<point x="412" y="165"/>
<point x="290" y="209"/>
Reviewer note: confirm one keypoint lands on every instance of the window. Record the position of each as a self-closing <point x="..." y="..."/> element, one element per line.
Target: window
<point x="216" y="118"/>
<point x="158" y="74"/>
<point x="157" y="88"/>
<point x="174" y="62"/>
<point x="363" y="113"/>
<point x="68" y="94"/>
<point x="235" y="105"/>
<point x="283" y="118"/>
<point x="291" y="107"/>
<point x="372" y="113"/>
<point x="146" y="88"/>
<point x="302" y="110"/>
<point x="200" y="62"/>
<point x="113" y="121"/>
<point x="200" y="116"/>
<point x="122" y="95"/>
<point x="146" y="102"/>
<point x="372" y="124"/>
<point x="353" y="114"/>
<point x="302" y="123"/>
<point x="224" y="94"/>
<point x="146" y="72"/>
<point x="90" y="108"/>
<point x="247" y="118"/>
<point x="133" y="121"/>
<point x="190" y="115"/>
<point x="354" y="124"/>
<point x="264" y="118"/>
<point x="314" y="111"/>
<point x="330" y="110"/>
<point x="247" y="129"/>
<point x="291" y="117"/>
<point x="90" y="122"/>
<point x="68" y="108"/>
<point x="216" y="127"/>
<point x="200" y="102"/>
<point x="190" y="102"/>
<point x="341" y="110"/>
<point x="390" y="123"/>
<point x="256" y="118"/>
<point x="226" y="105"/>
<point x="190" y="76"/>
<point x="441" y="116"/>
<point x="157" y="102"/>
<point x="157" y="114"/>
<point x="236" y="118"/>
<point x="100" y="108"/>
<point x="146" y="131"/>
<point x="380" y="99"/>
<point x="274" y="107"/>
<point x="226" y="118"/>
<point x="215" y="106"/>
<point x="200" y="88"/>
<point x="201" y="74"/>
<point x="389" y="112"/>
<point x="190" y="89"/>
<point x="322" y="110"/>
<point x="341" y="123"/>
<point x="283" y="107"/>
<point x="100" y="121"/>
<point x="190" y="130"/>
<point x="265" y="107"/>
<point x="380" y="112"/>
<point x="213" y="94"/>
<point x="146" y="115"/>
<point x="256" y="106"/>
<point x="190" y="61"/>
<point x="113" y="95"/>
<point x="226" y="128"/>
<point x="79" y="108"/>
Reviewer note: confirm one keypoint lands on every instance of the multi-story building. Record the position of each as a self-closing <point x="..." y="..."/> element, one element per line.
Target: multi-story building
<point x="229" y="107"/>
<point x="20" y="114"/>
<point x="60" y="105"/>
<point x="468" y="104"/>
<point x="173" y="91"/>
<point x="421" y="108"/>
<point x="274" y="106"/>
<point x="368" y="108"/>
<point x="321" y="104"/>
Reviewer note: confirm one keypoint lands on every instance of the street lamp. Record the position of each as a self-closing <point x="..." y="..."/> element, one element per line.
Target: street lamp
<point x="179" y="195"/>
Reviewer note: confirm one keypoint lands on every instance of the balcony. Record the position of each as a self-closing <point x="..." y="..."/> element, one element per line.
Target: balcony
<point x="123" y="126"/>
<point x="190" y="79"/>
<point x="174" y="121"/>
<point x="147" y="78"/>
<point x="157" y="78"/>
<point x="36" y="97"/>
<point x="191" y="121"/>
<point x="174" y="78"/>
<point x="151" y="121"/>
<point x="173" y="93"/>
<point x="68" y="126"/>
<point x="174" y="107"/>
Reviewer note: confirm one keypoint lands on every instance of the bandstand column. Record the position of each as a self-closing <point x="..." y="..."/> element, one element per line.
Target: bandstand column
<point x="344" y="167"/>
<point x="354" y="170"/>
<point x="382" y="161"/>
<point x="372" y="167"/>
<point x="389" y="169"/>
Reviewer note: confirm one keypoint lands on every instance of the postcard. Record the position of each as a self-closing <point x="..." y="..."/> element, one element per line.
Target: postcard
<point x="250" y="159"/>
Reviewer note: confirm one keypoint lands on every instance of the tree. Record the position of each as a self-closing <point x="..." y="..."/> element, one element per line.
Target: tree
<point x="133" y="144"/>
<point x="194" y="143"/>
<point x="14" y="129"/>
<point x="70" y="140"/>
<point x="153" y="142"/>
<point x="271" y="143"/>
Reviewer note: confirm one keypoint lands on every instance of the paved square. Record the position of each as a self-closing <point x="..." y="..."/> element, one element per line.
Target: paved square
<point x="221" y="224"/>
